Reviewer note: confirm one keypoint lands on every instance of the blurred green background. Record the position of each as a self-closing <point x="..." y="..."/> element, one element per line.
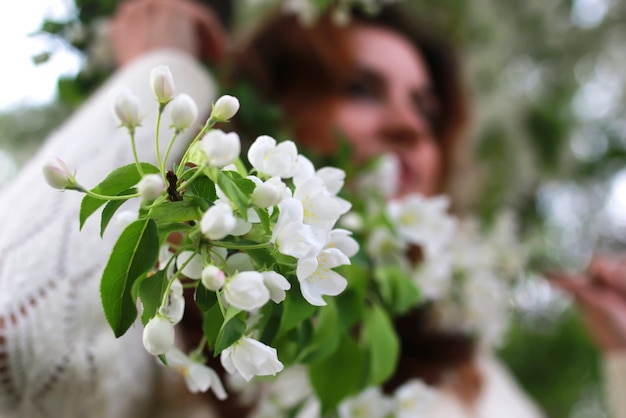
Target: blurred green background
<point x="548" y="139"/>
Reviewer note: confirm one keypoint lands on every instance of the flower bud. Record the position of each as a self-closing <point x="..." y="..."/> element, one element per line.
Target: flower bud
<point x="158" y="336"/>
<point x="162" y="83"/>
<point x="225" y="108"/>
<point x="218" y="221"/>
<point x="150" y="186"/>
<point x="221" y="148"/>
<point x="183" y="111"/>
<point x="213" y="278"/>
<point x="269" y="193"/>
<point x="59" y="175"/>
<point x="126" y="109"/>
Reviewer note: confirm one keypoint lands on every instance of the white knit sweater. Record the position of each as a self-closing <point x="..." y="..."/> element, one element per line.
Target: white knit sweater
<point x="58" y="357"/>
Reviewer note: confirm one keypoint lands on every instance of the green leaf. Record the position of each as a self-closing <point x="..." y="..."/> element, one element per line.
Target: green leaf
<point x="326" y="333"/>
<point x="110" y="209"/>
<point x="118" y="181"/>
<point x="270" y="324"/>
<point x="230" y="333"/>
<point x="381" y="343"/>
<point x="398" y="291"/>
<point x="238" y="191"/>
<point x="181" y="211"/>
<point x="297" y="309"/>
<point x="202" y="187"/>
<point x="212" y="321"/>
<point x="134" y="253"/>
<point x="151" y="291"/>
<point x="205" y="298"/>
<point x="338" y="375"/>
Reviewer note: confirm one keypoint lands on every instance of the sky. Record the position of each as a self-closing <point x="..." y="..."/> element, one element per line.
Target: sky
<point x="21" y="82"/>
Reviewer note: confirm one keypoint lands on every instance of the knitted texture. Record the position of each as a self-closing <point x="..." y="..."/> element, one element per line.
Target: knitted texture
<point x="58" y="356"/>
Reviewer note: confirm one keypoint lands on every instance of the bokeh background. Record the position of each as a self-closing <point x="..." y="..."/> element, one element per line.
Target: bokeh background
<point x="548" y="140"/>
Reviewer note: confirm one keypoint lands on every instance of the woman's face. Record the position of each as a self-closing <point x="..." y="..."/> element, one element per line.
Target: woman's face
<point x="389" y="106"/>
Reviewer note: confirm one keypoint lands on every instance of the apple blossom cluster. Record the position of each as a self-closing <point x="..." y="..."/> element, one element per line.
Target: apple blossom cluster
<point x="258" y="247"/>
<point x="466" y="272"/>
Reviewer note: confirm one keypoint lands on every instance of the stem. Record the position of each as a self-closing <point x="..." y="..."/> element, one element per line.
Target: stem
<point x="134" y="146"/>
<point x="156" y="135"/>
<point x="197" y="353"/>
<point x="104" y="197"/>
<point x="193" y="177"/>
<point x="174" y="277"/>
<point x="219" y="302"/>
<point x="208" y="125"/>
<point x="239" y="246"/>
<point x="167" y="151"/>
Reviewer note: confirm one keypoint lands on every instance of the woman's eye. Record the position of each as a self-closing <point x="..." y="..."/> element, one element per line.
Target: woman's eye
<point x="362" y="90"/>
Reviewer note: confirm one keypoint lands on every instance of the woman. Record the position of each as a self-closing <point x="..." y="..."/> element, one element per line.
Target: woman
<point x="377" y="108"/>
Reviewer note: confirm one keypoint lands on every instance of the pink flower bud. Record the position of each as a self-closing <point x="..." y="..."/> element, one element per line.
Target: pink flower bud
<point x="183" y="111"/>
<point x="126" y="109"/>
<point x="225" y="108"/>
<point x="213" y="278"/>
<point x="59" y="175"/>
<point x="162" y="83"/>
<point x="150" y="186"/>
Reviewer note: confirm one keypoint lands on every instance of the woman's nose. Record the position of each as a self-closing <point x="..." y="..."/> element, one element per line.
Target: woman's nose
<point x="403" y="126"/>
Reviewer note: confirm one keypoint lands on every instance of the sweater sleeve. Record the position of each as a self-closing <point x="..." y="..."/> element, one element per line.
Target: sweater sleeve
<point x="614" y="366"/>
<point x="58" y="356"/>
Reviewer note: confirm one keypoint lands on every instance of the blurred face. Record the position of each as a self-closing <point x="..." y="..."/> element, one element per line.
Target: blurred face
<point x="389" y="106"/>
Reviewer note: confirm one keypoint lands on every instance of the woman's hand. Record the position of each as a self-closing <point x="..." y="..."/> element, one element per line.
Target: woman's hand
<point x="140" y="26"/>
<point x="601" y="294"/>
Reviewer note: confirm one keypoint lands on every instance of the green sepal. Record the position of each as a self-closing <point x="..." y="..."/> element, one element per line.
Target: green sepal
<point x="133" y="255"/>
<point x="116" y="182"/>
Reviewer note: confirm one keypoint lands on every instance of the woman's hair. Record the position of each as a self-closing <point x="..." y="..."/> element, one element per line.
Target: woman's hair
<point x="294" y="66"/>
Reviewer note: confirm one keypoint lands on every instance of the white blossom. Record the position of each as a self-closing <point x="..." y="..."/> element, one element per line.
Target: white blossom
<point x="292" y="236"/>
<point x="175" y="302"/>
<point x="273" y="160"/>
<point x="413" y="399"/>
<point x="371" y="403"/>
<point x="190" y="263"/>
<point x="423" y="221"/>
<point x="251" y="358"/>
<point x="321" y="209"/>
<point x="239" y="262"/>
<point x="221" y="148"/>
<point x="218" y="221"/>
<point x="58" y="174"/>
<point x="183" y="112"/>
<point x="162" y="83"/>
<point x="213" y="278"/>
<point x="246" y="291"/>
<point x="225" y="108"/>
<point x="126" y="109"/>
<point x="158" y="335"/>
<point x="276" y="284"/>
<point x="198" y="377"/>
<point x="383" y="179"/>
<point x="316" y="277"/>
<point x="269" y="193"/>
<point x="150" y="187"/>
<point x="342" y="240"/>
